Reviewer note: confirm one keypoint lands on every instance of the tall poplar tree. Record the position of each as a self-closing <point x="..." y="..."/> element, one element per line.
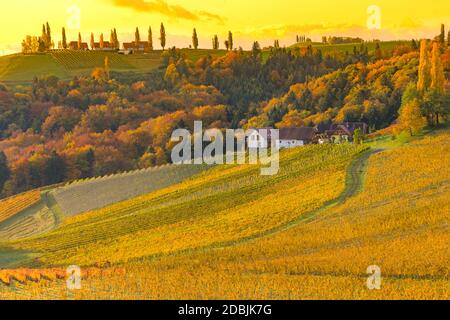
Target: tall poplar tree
<point x="424" y="80"/>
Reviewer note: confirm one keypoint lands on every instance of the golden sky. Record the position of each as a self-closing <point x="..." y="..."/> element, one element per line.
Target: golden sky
<point x="262" y="20"/>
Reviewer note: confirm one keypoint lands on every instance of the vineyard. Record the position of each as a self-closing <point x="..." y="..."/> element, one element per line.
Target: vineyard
<point x="11" y="206"/>
<point x="91" y="194"/>
<point x="348" y="47"/>
<point x="75" y="60"/>
<point x="33" y="213"/>
<point x="309" y="232"/>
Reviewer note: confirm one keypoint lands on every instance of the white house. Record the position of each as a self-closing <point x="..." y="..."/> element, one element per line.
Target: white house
<point x="295" y="137"/>
<point x="287" y="138"/>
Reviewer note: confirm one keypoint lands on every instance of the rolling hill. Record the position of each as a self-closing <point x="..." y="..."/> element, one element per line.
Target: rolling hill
<point x="228" y="233"/>
<point x="65" y="64"/>
<point x="348" y="47"/>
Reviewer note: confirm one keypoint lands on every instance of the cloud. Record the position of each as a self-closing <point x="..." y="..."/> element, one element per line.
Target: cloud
<point x="164" y="8"/>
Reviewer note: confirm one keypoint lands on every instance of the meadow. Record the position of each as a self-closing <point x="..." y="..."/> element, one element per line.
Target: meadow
<point x="231" y="234"/>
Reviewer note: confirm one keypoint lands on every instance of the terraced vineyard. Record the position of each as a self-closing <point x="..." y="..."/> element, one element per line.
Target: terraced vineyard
<point x="35" y="213"/>
<point x="75" y="60"/>
<point x="91" y="194"/>
<point x="13" y="205"/>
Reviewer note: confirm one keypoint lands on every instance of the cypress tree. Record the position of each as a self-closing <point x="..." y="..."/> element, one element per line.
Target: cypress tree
<point x="163" y="36"/>
<point x="49" y="37"/>
<point x="92" y="41"/>
<point x="137" y="37"/>
<point x="195" y="39"/>
<point x="116" y="40"/>
<point x="230" y="40"/>
<point x="150" y="38"/>
<point x="64" y="39"/>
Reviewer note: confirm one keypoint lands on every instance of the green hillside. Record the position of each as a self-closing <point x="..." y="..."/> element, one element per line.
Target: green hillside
<point x="348" y="47"/>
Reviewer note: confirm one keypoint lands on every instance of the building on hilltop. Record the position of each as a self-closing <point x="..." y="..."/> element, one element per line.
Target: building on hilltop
<point x="107" y="46"/>
<point x="140" y="47"/>
<point x="73" y="45"/>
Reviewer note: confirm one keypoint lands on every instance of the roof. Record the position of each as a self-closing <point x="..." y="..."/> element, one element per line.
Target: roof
<point x="132" y="45"/>
<point x="303" y="133"/>
<point x="347" y="127"/>
<point x="74" y="45"/>
<point x="106" y="44"/>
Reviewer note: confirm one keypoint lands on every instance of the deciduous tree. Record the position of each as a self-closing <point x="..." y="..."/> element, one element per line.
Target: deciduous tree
<point x="411" y="118"/>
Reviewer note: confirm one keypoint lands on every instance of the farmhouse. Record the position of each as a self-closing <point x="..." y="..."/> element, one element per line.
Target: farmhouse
<point x="288" y="137"/>
<point x="295" y="137"/>
<point x="106" y="46"/>
<point x="338" y="133"/>
<point x="140" y="47"/>
<point x="73" y="45"/>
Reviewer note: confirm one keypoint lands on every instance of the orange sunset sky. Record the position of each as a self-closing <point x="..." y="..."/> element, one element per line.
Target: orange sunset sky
<point x="250" y="20"/>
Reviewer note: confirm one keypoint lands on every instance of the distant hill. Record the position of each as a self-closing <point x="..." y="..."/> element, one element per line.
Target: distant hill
<point x="65" y="64"/>
<point x="325" y="48"/>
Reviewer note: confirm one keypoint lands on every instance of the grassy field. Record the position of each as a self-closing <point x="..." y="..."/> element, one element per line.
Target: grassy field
<point x="309" y="232"/>
<point x="348" y="47"/>
<point x="65" y="64"/>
